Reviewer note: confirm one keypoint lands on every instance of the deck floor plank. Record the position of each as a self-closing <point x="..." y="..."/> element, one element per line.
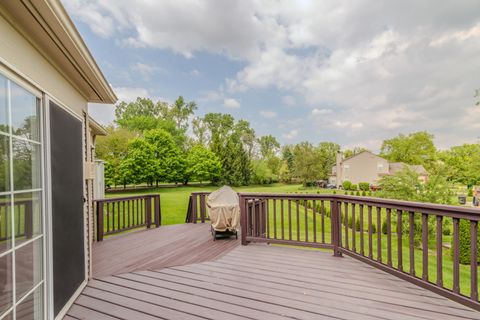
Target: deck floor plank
<point x="178" y="272"/>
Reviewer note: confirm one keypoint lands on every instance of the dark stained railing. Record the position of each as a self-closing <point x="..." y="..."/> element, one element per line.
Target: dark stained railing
<point x="23" y="219"/>
<point x="116" y="215"/>
<point x="197" y="207"/>
<point x="391" y="235"/>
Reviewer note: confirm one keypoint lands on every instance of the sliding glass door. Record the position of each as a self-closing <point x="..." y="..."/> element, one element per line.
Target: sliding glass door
<point x="22" y="242"/>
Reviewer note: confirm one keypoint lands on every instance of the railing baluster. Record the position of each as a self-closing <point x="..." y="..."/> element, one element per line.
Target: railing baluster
<point x="345" y="216"/>
<point x="289" y="219"/>
<point x="340" y="223"/>
<point x="389" y="237"/>
<point x="362" y="244"/>
<point x="456" y="257"/>
<point x="298" y="219"/>
<point x="203" y="208"/>
<point x="399" y="240"/>
<point x="305" y="205"/>
<point x="411" y="237"/>
<point x="322" y="208"/>
<point x="267" y="217"/>
<point x="379" y="234"/>
<point x="108" y="216"/>
<point x="124" y="214"/>
<point x="282" y="218"/>
<point x="424" y="247"/>
<point x="473" y="259"/>
<point x="314" y="210"/>
<point x="354" y="229"/>
<point x="439" y="252"/>
<point x="275" y="218"/>
<point x="370" y="237"/>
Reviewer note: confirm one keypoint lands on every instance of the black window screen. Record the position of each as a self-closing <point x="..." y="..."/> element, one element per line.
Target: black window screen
<point x="67" y="205"/>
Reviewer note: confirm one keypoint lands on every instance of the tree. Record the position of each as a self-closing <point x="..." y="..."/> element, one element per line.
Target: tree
<point x="306" y="162"/>
<point x="462" y="163"/>
<point x="168" y="161"/>
<point x="269" y="146"/>
<point x="139" y="164"/>
<point x="113" y="148"/>
<point x="327" y="152"/>
<point x="202" y="164"/>
<point x="144" y="114"/>
<point x="261" y="172"/>
<point x="415" y="148"/>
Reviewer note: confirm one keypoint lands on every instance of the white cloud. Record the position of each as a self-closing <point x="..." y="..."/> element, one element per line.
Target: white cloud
<point x="195" y="72"/>
<point x="146" y="71"/>
<point x="231" y="103"/>
<point x="289" y="101"/>
<point x="129" y="94"/>
<point x="268" y="114"/>
<point x="321" y="112"/>
<point x="411" y="67"/>
<point x="292" y="134"/>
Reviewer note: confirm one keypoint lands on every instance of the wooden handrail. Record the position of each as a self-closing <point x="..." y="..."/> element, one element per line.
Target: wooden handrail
<point x="371" y="230"/>
<point x="116" y="215"/>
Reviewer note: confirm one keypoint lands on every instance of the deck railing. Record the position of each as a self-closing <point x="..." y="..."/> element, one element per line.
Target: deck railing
<point x="23" y="219"/>
<point x="197" y="207"/>
<point x="116" y="215"/>
<point x="391" y="235"/>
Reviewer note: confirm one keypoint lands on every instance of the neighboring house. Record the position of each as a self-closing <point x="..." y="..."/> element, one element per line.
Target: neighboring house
<point x="47" y="77"/>
<point x="368" y="167"/>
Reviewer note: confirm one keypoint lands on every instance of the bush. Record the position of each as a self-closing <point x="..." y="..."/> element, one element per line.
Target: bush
<point x="353" y="187"/>
<point x="369" y="193"/>
<point x="364" y="193"/>
<point x="346" y="185"/>
<point x="352" y="193"/>
<point x="357" y="193"/>
<point x="470" y="193"/>
<point x="334" y="191"/>
<point x="447" y="227"/>
<point x="357" y="225"/>
<point x="364" y="186"/>
<point x="374" y="228"/>
<point x="384" y="227"/>
<point x="464" y="243"/>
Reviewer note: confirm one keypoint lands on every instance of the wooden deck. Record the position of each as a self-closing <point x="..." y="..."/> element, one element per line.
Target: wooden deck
<point x="166" y="246"/>
<point x="194" y="278"/>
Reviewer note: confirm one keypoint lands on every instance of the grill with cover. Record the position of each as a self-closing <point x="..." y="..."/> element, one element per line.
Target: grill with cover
<point x="224" y="210"/>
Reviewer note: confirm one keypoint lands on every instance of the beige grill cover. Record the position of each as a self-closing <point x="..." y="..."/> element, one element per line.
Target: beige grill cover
<point x="224" y="209"/>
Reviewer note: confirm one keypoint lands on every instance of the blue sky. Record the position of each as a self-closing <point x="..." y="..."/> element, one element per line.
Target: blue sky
<point x="351" y="73"/>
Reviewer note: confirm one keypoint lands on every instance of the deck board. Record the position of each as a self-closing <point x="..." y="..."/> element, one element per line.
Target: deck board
<point x="188" y="276"/>
<point x="157" y="248"/>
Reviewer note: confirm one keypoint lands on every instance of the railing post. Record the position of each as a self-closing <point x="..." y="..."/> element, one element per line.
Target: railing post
<point x="335" y="228"/>
<point x="243" y="220"/>
<point x="148" y="211"/>
<point x="194" y="208"/>
<point x="99" y="207"/>
<point x="203" y="208"/>
<point x="28" y="220"/>
<point x="157" y="210"/>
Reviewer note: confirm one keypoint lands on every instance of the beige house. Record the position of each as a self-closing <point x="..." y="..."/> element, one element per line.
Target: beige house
<point x="47" y="79"/>
<point x="367" y="167"/>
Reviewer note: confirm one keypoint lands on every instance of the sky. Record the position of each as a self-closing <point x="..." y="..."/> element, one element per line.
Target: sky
<point x="350" y="72"/>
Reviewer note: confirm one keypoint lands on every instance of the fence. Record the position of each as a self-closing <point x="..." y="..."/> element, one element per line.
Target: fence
<point x="121" y="214"/>
<point x="391" y="235"/>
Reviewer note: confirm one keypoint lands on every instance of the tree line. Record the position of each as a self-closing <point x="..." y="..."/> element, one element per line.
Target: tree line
<point x="154" y="142"/>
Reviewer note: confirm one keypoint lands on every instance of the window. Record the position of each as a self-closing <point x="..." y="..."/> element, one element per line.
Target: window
<point x="21" y="204"/>
<point x="346" y="166"/>
<point x="380" y="166"/>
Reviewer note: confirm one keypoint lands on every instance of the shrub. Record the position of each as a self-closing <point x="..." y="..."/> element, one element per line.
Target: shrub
<point x="464" y="243"/>
<point x="357" y="193"/>
<point x="364" y="193"/>
<point x="357" y="225"/>
<point x="374" y="228"/>
<point x="470" y="193"/>
<point x="352" y="193"/>
<point x="334" y="191"/>
<point x="447" y="227"/>
<point x="384" y="227"/>
<point x="346" y="185"/>
<point x="369" y="193"/>
<point x="353" y="187"/>
<point x="364" y="186"/>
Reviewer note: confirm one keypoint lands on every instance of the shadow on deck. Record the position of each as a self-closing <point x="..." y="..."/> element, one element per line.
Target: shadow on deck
<point x="178" y="272"/>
